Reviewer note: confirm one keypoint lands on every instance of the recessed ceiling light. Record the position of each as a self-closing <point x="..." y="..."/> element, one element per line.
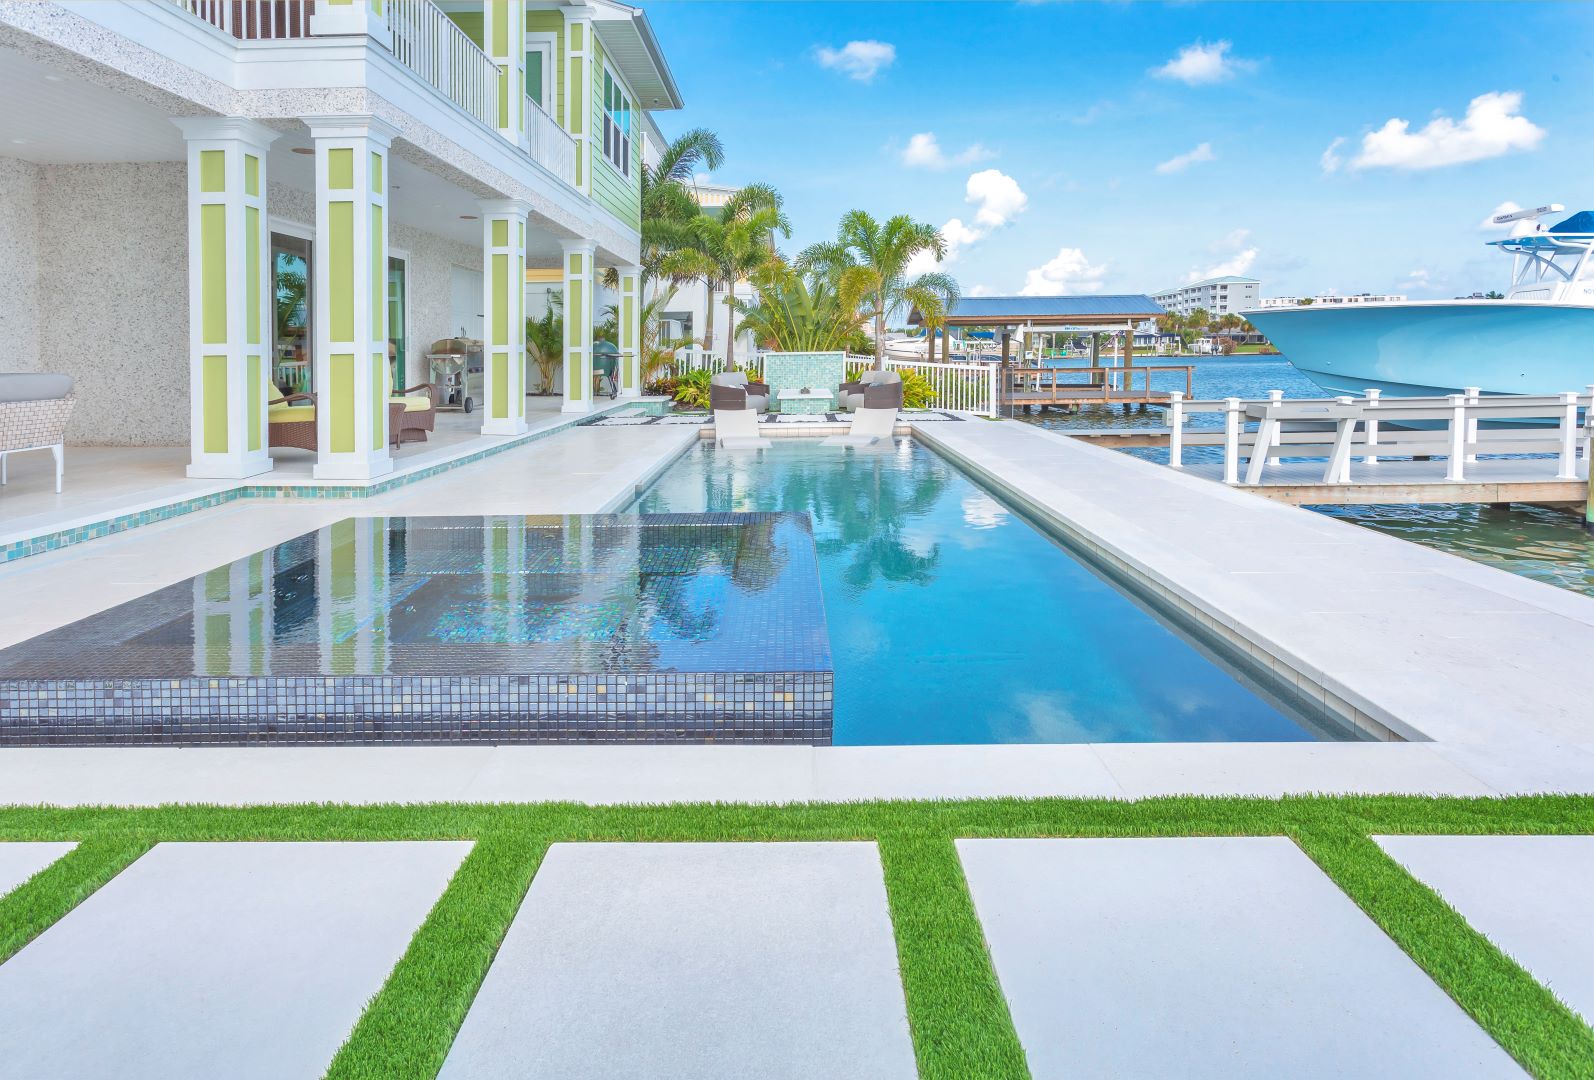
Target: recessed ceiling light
<point x="19" y="142"/>
<point x="55" y="78"/>
<point x="467" y="217"/>
<point x="305" y="150"/>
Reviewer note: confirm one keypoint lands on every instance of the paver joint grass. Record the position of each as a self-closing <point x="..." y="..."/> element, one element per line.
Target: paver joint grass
<point x="959" y="1019"/>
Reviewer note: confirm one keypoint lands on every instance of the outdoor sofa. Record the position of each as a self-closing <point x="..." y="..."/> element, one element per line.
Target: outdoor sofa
<point x="34" y="409"/>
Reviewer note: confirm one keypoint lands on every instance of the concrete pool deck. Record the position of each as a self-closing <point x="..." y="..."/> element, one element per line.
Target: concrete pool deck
<point x="1486" y="665"/>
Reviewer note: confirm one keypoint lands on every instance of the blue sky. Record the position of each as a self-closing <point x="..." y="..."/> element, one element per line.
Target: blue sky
<point x="1080" y="147"/>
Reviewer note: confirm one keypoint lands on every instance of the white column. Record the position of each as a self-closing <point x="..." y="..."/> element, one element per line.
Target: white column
<point x="578" y="82"/>
<point x="350" y="279"/>
<point x="504" y="283"/>
<point x="580" y="285"/>
<point x="631" y="331"/>
<point x="504" y="41"/>
<point x="229" y="303"/>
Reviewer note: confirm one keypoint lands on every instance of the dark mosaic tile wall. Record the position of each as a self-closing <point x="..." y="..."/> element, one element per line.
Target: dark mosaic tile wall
<point x="602" y="628"/>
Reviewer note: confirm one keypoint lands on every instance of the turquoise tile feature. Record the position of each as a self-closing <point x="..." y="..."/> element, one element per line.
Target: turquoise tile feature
<point x="795" y="370"/>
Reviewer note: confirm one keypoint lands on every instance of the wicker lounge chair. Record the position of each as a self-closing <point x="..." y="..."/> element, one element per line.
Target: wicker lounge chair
<point x="757" y="393"/>
<point x="849" y="396"/>
<point x="292" y="425"/>
<point x="34" y="409"/>
<point x="419" y="414"/>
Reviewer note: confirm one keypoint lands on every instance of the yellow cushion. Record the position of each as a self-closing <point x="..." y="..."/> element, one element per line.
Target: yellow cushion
<point x="413" y="402"/>
<point x="291" y="414"/>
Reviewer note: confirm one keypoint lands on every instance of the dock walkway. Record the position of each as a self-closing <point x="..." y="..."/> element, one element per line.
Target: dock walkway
<point x="1486" y="666"/>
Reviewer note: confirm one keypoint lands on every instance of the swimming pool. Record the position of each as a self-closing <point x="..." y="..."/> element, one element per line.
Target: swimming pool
<point x="954" y="620"/>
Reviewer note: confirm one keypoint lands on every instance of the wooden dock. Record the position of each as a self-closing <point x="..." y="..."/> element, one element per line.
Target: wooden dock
<point x="1072" y="387"/>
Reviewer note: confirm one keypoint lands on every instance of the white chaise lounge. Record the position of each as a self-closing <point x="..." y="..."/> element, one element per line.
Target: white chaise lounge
<point x="874" y="401"/>
<point x="735" y="415"/>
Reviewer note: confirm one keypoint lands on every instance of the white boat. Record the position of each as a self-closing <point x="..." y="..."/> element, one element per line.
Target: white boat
<point x="1539" y="339"/>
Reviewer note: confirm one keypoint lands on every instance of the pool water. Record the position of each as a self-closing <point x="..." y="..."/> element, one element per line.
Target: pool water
<point x="954" y="620"/>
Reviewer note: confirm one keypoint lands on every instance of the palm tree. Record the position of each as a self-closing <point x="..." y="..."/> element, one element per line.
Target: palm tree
<point x="726" y="247"/>
<point x="667" y="200"/>
<point x="872" y="259"/>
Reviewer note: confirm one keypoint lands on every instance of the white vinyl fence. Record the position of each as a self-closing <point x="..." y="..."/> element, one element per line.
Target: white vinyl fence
<point x="958" y="387"/>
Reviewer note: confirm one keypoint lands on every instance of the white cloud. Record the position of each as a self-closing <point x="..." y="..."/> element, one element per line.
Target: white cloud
<point x="924" y="152"/>
<point x="1233" y="241"/>
<point x="997" y="196"/>
<point x="1493" y="126"/>
<point x="861" y="60"/>
<point x="1331" y="161"/>
<point x="979" y="290"/>
<point x="1180" y="162"/>
<point x="1201" y="63"/>
<point x="997" y="199"/>
<point x="1507" y="207"/>
<point x="1235" y="265"/>
<point x="1068" y="272"/>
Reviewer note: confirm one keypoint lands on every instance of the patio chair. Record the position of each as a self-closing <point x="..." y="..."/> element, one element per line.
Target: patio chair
<point x="849" y="396"/>
<point x="875" y="417"/>
<point x="292" y="425"/>
<point x="757" y="392"/>
<point x="735" y="419"/>
<point x="34" y="409"/>
<point x="419" y="414"/>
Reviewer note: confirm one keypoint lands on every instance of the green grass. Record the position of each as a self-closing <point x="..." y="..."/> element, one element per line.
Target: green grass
<point x="959" y="1018"/>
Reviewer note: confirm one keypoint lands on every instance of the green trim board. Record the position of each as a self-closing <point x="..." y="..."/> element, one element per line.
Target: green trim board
<point x="213" y="271"/>
<point x="957" y="1013"/>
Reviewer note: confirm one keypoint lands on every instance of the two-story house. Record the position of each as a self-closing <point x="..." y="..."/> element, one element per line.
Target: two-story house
<point x="207" y="204"/>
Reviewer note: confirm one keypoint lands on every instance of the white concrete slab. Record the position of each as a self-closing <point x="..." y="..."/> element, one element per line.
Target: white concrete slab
<point x="1217" y="957"/>
<point x="695" y="961"/>
<point x="22" y="859"/>
<point x="236" y="960"/>
<point x="1533" y="896"/>
<point x="1476" y="659"/>
<point x="1270" y="770"/>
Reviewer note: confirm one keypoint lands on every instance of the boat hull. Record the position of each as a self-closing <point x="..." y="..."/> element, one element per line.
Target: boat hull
<point x="1424" y="349"/>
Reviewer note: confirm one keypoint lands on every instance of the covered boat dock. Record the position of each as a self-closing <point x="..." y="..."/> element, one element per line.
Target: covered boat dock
<point x="1063" y="385"/>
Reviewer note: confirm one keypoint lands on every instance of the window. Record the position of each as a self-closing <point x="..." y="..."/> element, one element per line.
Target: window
<point x="616" y="125"/>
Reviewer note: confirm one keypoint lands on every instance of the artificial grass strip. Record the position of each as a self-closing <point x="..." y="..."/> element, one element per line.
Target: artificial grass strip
<point x="959" y="1019"/>
<point x="1528" y="1021"/>
<point x="409" y="1026"/>
<point x="961" y="1026"/>
<point x="35" y="905"/>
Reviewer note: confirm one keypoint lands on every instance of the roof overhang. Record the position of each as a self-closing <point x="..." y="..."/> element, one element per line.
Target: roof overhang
<point x="1060" y="312"/>
<point x="629" y="43"/>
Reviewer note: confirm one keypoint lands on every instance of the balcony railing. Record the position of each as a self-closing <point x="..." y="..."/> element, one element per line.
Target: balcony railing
<point x="426" y="41"/>
<point x="430" y="44"/>
<point x="254" y="20"/>
<point x="550" y="144"/>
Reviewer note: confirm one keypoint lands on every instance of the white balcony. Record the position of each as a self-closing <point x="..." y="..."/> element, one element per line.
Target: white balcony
<point x="421" y="38"/>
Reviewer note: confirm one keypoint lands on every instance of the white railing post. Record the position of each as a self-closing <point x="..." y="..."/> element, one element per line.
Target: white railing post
<point x="1342" y="474"/>
<point x="1372" y="426"/>
<point x="992" y="408"/>
<point x="1455" y="465"/>
<point x="1472" y="424"/>
<point x="1176" y="429"/>
<point x="1569" y="434"/>
<point x="1231" y="440"/>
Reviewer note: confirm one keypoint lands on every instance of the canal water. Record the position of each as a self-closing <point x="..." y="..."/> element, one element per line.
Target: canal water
<point x="1546" y="545"/>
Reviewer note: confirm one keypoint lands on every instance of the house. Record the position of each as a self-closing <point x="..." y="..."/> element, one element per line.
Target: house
<point x="207" y="203"/>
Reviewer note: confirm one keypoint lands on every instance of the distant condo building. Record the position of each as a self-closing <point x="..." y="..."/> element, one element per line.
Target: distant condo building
<point x="1331" y="298"/>
<point x="1216" y="296"/>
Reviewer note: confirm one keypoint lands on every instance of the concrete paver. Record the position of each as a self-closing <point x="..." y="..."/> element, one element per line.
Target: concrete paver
<point x="1217" y="957"/>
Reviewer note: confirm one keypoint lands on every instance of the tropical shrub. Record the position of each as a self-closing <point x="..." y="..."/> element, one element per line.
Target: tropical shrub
<point x="797" y="312"/>
<point x="917" y="393"/>
<point x="691" y="390"/>
<point x="545" y="340"/>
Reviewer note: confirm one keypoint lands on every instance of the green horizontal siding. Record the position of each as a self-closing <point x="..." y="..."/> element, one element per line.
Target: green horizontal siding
<point x="618" y="194"/>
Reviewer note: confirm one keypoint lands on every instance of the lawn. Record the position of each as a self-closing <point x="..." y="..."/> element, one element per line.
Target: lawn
<point x="959" y="1019"/>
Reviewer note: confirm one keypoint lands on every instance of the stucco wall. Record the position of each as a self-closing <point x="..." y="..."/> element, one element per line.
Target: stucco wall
<point x="19" y="265"/>
<point x="113" y="298"/>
